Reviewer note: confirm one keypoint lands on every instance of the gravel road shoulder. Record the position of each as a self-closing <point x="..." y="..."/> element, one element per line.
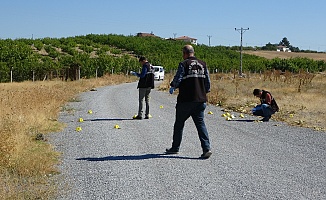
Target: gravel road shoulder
<point x="250" y="160"/>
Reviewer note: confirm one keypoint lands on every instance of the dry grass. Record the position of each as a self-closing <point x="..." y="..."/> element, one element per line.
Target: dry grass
<point x="305" y="108"/>
<point x="285" y="55"/>
<point x="27" y="112"/>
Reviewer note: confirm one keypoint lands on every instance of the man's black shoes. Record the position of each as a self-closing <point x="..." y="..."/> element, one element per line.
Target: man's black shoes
<point x="206" y="155"/>
<point x="171" y="151"/>
<point x="265" y="119"/>
<point x="140" y="117"/>
<point x="137" y="117"/>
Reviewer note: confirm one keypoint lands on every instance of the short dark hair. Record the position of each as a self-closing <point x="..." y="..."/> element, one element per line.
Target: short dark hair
<point x="188" y="49"/>
<point x="256" y="92"/>
<point x="142" y="58"/>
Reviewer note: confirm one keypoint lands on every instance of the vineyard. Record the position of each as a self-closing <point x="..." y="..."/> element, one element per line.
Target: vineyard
<point x="28" y="111"/>
<point x="96" y="55"/>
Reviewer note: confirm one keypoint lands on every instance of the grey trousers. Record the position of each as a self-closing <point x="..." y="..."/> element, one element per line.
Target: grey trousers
<point x="144" y="93"/>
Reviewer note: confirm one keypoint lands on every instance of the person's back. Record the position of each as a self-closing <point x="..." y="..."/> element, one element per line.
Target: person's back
<point x="146" y="79"/>
<point x="192" y="87"/>
<point x="271" y="101"/>
<point x="193" y="81"/>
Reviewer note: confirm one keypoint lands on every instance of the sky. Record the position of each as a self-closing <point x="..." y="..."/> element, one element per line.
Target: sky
<point x="211" y="22"/>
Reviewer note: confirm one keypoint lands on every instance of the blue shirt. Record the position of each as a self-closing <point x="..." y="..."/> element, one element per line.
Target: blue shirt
<point x="143" y="71"/>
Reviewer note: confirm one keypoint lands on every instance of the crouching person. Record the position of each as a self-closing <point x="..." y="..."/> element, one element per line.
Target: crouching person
<point x="267" y="106"/>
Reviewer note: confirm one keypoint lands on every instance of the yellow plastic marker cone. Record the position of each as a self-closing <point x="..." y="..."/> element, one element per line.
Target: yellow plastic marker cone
<point x="80" y="119"/>
<point x="291" y="115"/>
<point x="78" y="128"/>
<point x="134" y="116"/>
<point x="161" y="106"/>
<point x="149" y="115"/>
<point x="116" y="126"/>
<point x="223" y="115"/>
<point x="210" y="112"/>
<point x="241" y="115"/>
<point x="228" y="118"/>
<point x="90" y="111"/>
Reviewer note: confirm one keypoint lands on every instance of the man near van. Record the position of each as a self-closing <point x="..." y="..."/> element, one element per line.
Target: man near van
<point x="193" y="81"/>
<point x="145" y="84"/>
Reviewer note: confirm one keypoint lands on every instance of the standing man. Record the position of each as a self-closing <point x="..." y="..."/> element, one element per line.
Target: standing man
<point x="145" y="84"/>
<point x="267" y="107"/>
<point x="193" y="81"/>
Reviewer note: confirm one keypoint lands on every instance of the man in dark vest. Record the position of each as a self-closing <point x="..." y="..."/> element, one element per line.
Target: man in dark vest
<point x="267" y="106"/>
<point x="193" y="81"/>
<point x="145" y="84"/>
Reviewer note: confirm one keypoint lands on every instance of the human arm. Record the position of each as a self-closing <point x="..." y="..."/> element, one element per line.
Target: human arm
<point x="207" y="81"/>
<point x="178" y="77"/>
<point x="143" y="72"/>
<point x="268" y="99"/>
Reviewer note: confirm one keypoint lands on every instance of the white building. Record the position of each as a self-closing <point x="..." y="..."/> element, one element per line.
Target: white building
<point x="283" y="48"/>
<point x="187" y="39"/>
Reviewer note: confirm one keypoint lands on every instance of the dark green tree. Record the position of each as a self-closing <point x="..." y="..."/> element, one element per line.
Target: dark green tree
<point x="269" y="47"/>
<point x="285" y="42"/>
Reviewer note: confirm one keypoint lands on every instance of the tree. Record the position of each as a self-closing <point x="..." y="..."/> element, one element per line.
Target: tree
<point x="294" y="49"/>
<point x="285" y="42"/>
<point x="269" y="47"/>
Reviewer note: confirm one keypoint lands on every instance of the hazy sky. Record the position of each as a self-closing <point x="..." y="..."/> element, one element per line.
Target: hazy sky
<point x="301" y="21"/>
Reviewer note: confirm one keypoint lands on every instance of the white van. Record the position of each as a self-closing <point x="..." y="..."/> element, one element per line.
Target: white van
<point x="158" y="73"/>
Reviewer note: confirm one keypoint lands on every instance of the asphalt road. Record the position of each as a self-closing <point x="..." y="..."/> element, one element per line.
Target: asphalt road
<point x="250" y="160"/>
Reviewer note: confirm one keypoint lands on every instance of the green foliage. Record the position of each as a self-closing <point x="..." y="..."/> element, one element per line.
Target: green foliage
<point x="4" y="76"/>
<point x="38" y="44"/>
<point x="86" y="48"/>
<point x="68" y="49"/>
<point x="269" y="47"/>
<point x="284" y="42"/>
<point x="119" y="54"/>
<point x="53" y="53"/>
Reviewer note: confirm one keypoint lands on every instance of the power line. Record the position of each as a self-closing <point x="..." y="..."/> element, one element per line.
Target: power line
<point x="241" y="31"/>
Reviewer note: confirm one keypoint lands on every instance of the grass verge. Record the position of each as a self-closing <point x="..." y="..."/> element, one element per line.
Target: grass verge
<point x="28" y="111"/>
<point x="301" y="98"/>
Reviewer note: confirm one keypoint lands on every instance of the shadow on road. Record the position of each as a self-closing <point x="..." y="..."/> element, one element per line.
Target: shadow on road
<point x="137" y="157"/>
<point x="244" y="120"/>
<point x="108" y="119"/>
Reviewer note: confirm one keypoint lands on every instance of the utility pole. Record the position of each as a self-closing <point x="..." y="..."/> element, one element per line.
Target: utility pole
<point x="33" y="40"/>
<point x="209" y="40"/>
<point x="174" y="34"/>
<point x="241" y="31"/>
